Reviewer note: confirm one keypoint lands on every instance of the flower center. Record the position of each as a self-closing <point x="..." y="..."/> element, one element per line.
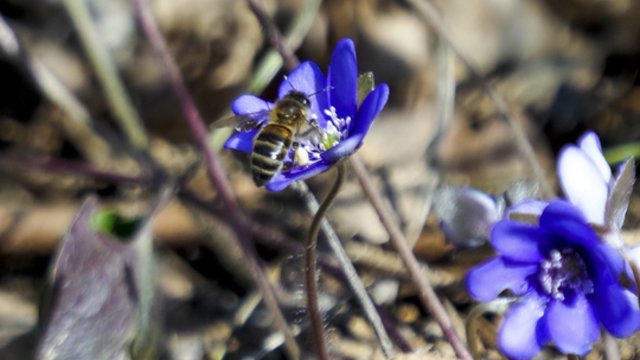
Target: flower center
<point x="563" y="273"/>
<point x="310" y="147"/>
<point x="336" y="130"/>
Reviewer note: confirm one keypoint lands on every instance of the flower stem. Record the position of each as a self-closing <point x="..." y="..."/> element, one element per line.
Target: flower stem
<point x="350" y="273"/>
<point x="107" y="74"/>
<point x="310" y="270"/>
<point x="425" y="291"/>
<point x="215" y="171"/>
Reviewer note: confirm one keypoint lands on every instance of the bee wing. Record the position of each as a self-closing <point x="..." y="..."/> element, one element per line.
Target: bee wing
<point x="243" y="123"/>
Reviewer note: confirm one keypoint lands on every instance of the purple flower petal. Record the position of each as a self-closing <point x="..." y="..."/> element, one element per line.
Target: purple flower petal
<point x="590" y="144"/>
<point x="369" y="110"/>
<point x="572" y="326"/>
<point x="518" y="337"/>
<point x="250" y="104"/>
<point x="308" y="79"/>
<point x="241" y="141"/>
<point x="565" y="220"/>
<point x="602" y="257"/>
<point x="518" y="242"/>
<point x="343" y="78"/>
<point x="342" y="149"/>
<point x="486" y="281"/>
<point x="583" y="184"/>
<point x="284" y="179"/>
<point x="371" y="106"/>
<point x="615" y="307"/>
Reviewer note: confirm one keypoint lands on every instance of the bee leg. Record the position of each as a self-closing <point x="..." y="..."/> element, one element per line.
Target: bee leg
<point x="313" y="121"/>
<point x="288" y="165"/>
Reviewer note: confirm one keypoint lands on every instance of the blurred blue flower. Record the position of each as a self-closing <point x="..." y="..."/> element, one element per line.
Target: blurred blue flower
<point x="334" y="107"/>
<point x="467" y="215"/>
<point x="585" y="176"/>
<point x="567" y="281"/>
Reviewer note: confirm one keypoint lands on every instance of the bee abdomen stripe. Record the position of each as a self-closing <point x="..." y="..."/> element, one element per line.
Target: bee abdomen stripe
<point x="275" y="135"/>
<point x="264" y="163"/>
<point x="269" y="150"/>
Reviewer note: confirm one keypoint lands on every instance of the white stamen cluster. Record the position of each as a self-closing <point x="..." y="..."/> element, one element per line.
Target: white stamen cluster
<point x="336" y="126"/>
<point x="310" y="148"/>
<point x="562" y="272"/>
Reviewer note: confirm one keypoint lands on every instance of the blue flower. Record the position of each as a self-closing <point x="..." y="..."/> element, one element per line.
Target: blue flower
<point x="567" y="281"/>
<point x="334" y="107"/>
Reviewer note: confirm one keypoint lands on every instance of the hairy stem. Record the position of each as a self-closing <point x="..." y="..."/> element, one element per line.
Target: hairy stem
<point x="215" y="171"/>
<point x="310" y="269"/>
<point x="425" y="291"/>
<point x="356" y="285"/>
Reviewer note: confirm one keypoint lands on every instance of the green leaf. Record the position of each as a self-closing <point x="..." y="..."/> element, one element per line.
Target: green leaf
<point x="110" y="223"/>
<point x="366" y="84"/>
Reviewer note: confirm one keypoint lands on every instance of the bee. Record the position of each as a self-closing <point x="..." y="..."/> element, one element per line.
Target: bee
<point x="287" y="121"/>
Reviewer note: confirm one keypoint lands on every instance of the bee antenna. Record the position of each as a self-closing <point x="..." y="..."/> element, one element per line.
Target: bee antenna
<point x="286" y="78"/>
<point x="322" y="90"/>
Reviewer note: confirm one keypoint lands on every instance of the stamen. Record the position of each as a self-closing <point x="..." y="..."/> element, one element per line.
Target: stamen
<point x="563" y="273"/>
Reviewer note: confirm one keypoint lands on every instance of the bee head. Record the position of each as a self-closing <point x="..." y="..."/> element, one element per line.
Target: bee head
<point x="300" y="97"/>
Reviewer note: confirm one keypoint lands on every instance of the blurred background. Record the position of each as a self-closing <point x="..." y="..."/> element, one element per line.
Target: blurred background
<point x="561" y="67"/>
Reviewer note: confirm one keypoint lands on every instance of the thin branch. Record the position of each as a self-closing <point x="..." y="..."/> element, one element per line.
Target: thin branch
<point x="273" y="34"/>
<point x="433" y="18"/>
<point x="107" y="74"/>
<point x="425" y="291"/>
<point x="214" y="169"/>
<point x="272" y="61"/>
<point x="9" y="162"/>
